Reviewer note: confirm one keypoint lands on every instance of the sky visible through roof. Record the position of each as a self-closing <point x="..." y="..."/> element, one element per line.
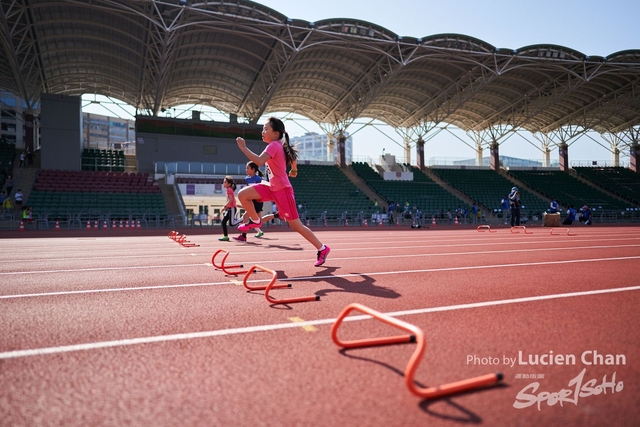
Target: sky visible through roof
<point x="593" y="27"/>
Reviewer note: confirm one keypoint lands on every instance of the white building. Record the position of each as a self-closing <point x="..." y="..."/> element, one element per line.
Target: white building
<point x="313" y="146"/>
<point x="98" y="131"/>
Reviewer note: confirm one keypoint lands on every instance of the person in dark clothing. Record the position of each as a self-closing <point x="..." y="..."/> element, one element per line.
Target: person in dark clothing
<point x="586" y="215"/>
<point x="514" y="204"/>
<point x="571" y="216"/>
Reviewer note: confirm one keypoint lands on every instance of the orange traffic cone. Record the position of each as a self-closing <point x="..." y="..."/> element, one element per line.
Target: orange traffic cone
<point x="21" y="226"/>
<point x="88" y="225"/>
<point x="433" y="220"/>
<point x="113" y="224"/>
<point x="57" y="225"/>
<point x="346" y="222"/>
<point x="120" y="223"/>
<point x="95" y="224"/>
<point x="104" y="225"/>
<point x="456" y="222"/>
<point x="138" y="225"/>
<point x="364" y="222"/>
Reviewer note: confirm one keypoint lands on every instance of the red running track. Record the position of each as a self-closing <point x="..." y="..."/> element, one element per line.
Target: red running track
<point x="137" y="330"/>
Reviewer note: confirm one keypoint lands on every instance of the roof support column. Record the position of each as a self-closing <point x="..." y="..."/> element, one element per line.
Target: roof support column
<point x="420" y="153"/>
<point x="29" y="133"/>
<point x="342" y="160"/>
<point x="407" y="150"/>
<point x="631" y="139"/>
<point x="563" y="135"/>
<point x="330" y="147"/>
<point x="479" y="161"/>
<point x="494" y="160"/>
<point x="615" y="157"/>
<point x="634" y="154"/>
<point x="563" y="154"/>
<point x="546" y="156"/>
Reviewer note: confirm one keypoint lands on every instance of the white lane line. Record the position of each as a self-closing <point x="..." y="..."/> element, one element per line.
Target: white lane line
<point x="334" y="276"/>
<point x="263" y="328"/>
<point x="368" y="243"/>
<point x="81" y="270"/>
<point x="581" y="248"/>
<point x="97" y="291"/>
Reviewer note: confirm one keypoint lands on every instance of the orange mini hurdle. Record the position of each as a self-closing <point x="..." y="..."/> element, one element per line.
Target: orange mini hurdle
<point x="415" y="335"/>
<point x="566" y="229"/>
<point x="182" y="239"/>
<point x="272" y="285"/>
<point x="486" y="228"/>
<point x="226" y="267"/>
<point x="518" y="227"/>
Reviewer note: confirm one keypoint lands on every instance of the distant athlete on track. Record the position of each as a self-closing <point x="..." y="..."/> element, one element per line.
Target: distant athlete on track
<point x="229" y="208"/>
<point x="254" y="176"/>
<point x="277" y="155"/>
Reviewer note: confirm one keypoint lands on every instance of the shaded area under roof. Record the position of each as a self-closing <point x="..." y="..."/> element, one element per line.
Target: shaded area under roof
<point x="247" y="59"/>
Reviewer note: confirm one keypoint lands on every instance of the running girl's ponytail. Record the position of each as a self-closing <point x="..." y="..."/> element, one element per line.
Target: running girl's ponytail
<point x="231" y="183"/>
<point x="256" y="168"/>
<point x="290" y="153"/>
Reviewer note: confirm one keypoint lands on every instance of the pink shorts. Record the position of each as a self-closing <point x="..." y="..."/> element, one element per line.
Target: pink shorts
<point x="284" y="200"/>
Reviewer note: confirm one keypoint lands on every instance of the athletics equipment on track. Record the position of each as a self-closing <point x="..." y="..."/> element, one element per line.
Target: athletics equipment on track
<point x="415" y="336"/>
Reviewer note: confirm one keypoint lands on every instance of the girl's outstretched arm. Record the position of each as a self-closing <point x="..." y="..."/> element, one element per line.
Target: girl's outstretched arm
<point x="257" y="159"/>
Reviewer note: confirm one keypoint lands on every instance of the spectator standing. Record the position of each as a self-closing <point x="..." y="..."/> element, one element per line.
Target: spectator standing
<point x="514" y="204"/>
<point x="30" y="155"/>
<point x="23" y="156"/>
<point x="571" y="216"/>
<point x="9" y="184"/>
<point x="7" y="205"/>
<point x="27" y="217"/>
<point x="19" y="198"/>
<point x="504" y="205"/>
<point x="474" y="213"/>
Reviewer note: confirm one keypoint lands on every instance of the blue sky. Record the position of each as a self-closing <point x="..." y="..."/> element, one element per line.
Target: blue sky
<point x="591" y="27"/>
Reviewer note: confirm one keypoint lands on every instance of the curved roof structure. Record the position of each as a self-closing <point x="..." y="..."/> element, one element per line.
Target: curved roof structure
<point x="246" y="59"/>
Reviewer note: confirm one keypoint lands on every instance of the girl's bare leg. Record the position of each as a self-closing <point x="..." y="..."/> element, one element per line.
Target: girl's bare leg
<point x="305" y="232"/>
<point x="246" y="197"/>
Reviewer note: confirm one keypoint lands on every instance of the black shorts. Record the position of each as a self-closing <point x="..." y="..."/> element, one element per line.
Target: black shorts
<point x="258" y="205"/>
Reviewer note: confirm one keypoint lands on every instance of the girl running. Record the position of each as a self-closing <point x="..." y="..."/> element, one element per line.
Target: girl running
<point x="229" y="208"/>
<point x="254" y="176"/>
<point x="279" y="190"/>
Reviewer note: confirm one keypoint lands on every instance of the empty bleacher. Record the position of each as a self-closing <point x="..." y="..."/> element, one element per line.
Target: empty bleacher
<point x="326" y="188"/>
<point x="78" y="196"/>
<point x="569" y="190"/>
<point x="102" y="160"/>
<point x="422" y="192"/>
<point x="618" y="180"/>
<point x="487" y="187"/>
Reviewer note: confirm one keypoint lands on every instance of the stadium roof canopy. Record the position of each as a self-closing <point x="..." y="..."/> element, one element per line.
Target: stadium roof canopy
<point x="246" y="59"/>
